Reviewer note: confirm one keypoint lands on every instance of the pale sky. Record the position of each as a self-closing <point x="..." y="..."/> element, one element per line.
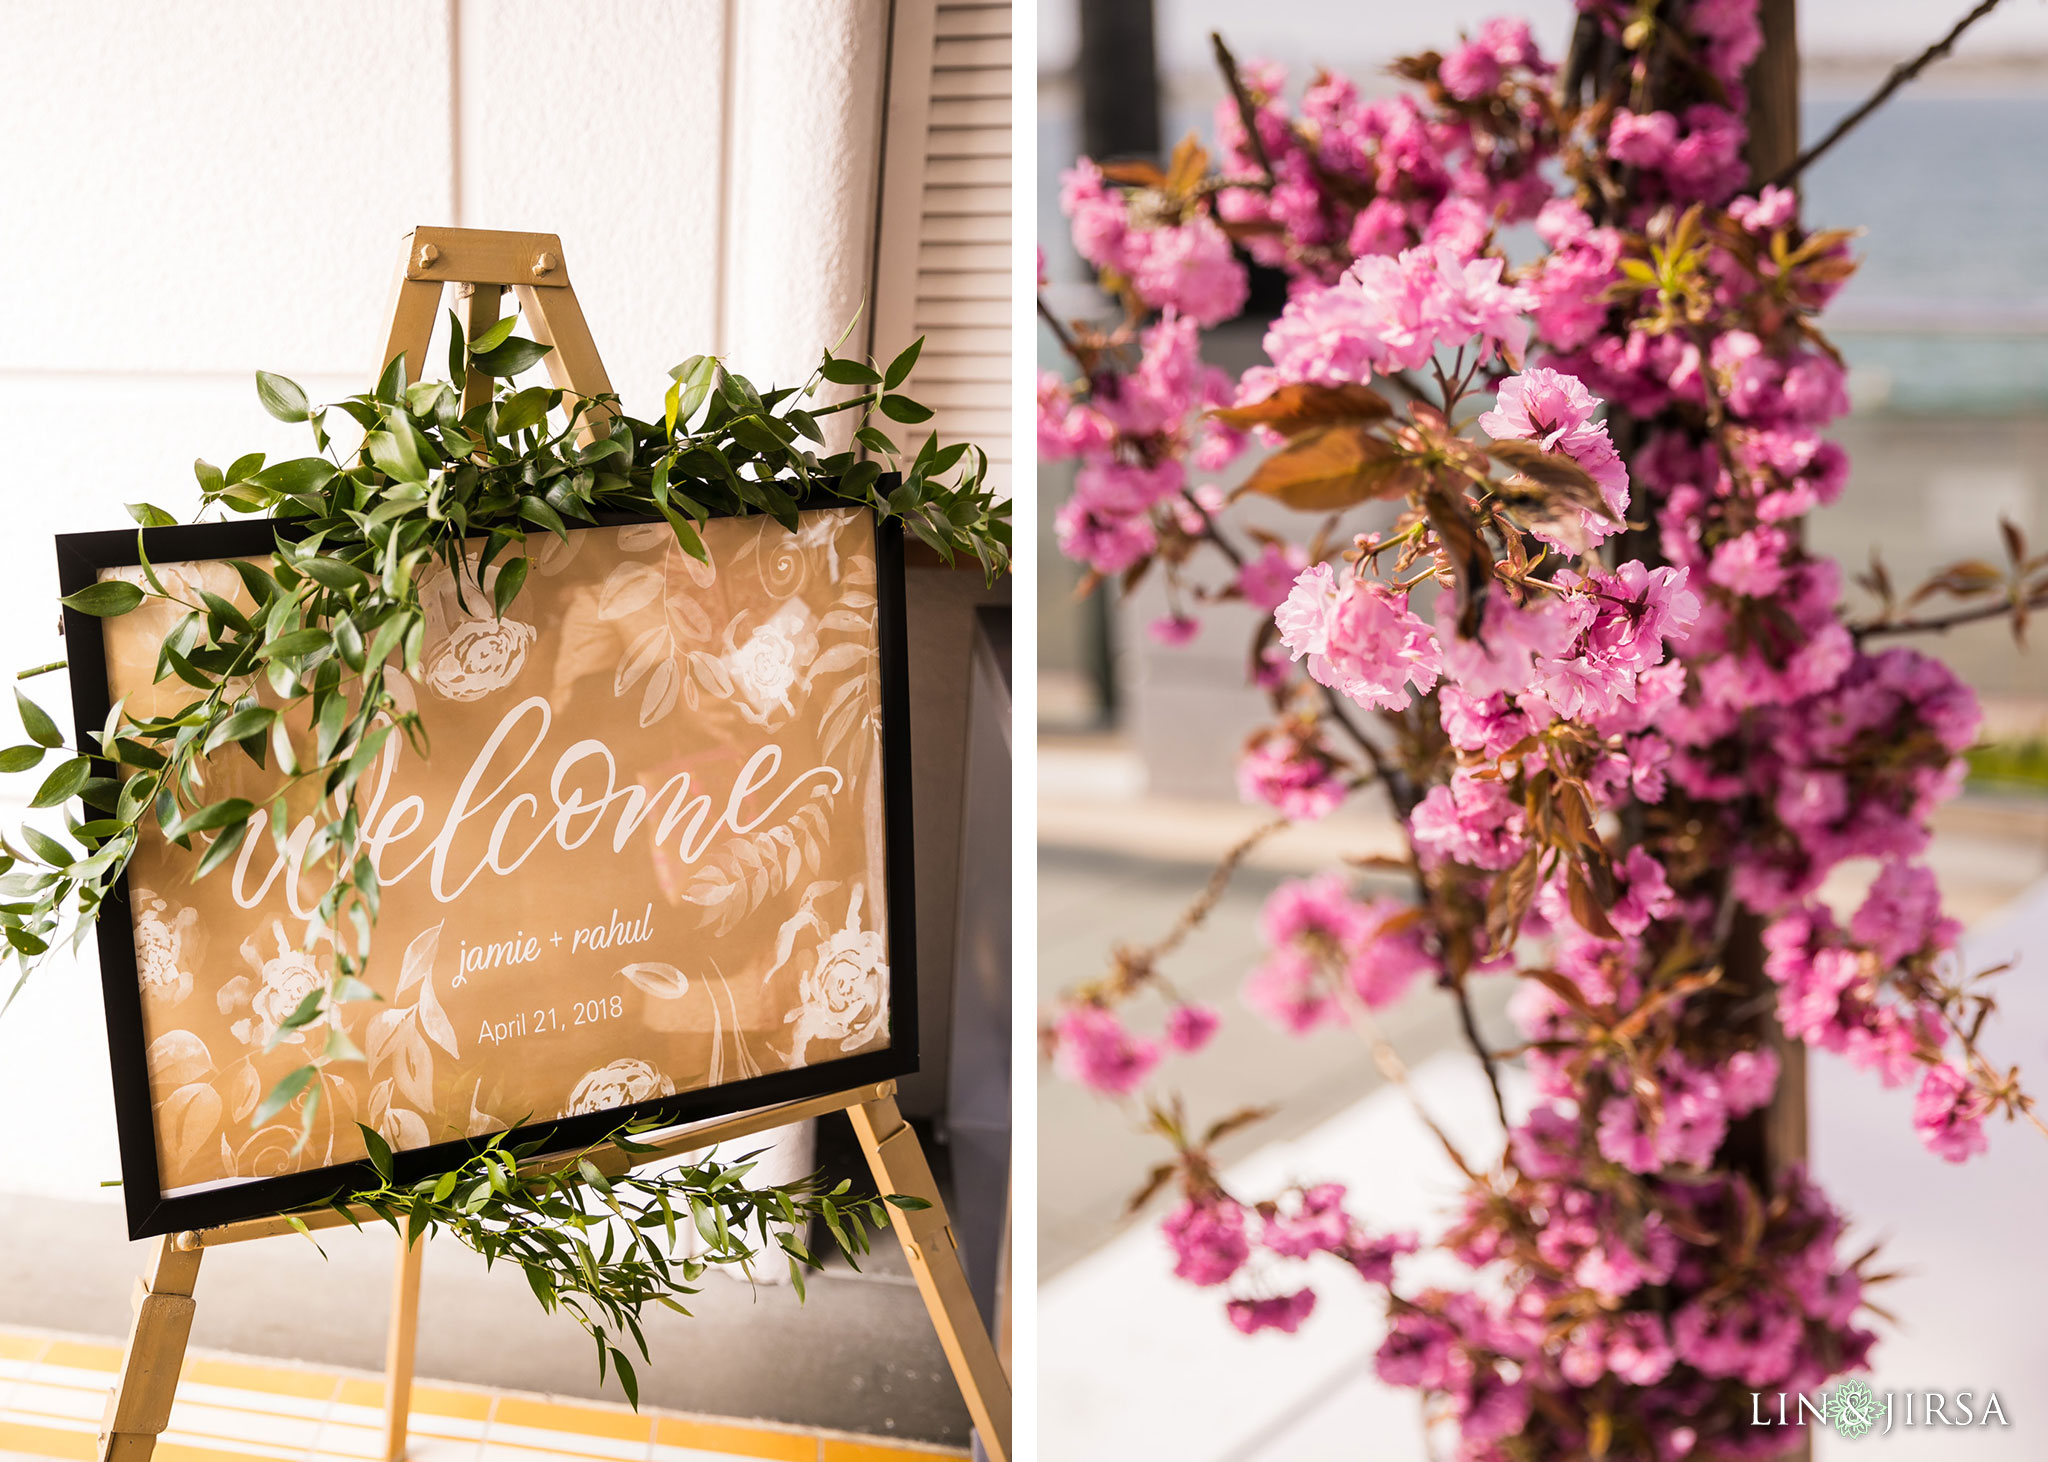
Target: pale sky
<point x="1350" y="33"/>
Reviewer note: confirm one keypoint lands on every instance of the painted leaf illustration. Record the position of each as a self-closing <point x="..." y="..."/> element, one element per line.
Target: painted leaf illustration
<point x="178" y="1057"/>
<point x="641" y="656"/>
<point x="245" y="1089"/>
<point x="419" y="958"/>
<point x="434" y="1021"/>
<point x="710" y="670"/>
<point x="384" y="1026"/>
<point x="413" y="1065"/>
<point x="188" y="1119"/>
<point x="660" y="699"/>
<point x="642" y="536"/>
<point x="403" y="1129"/>
<point x="689" y="618"/>
<point x="628" y="587"/>
<point x="664" y="982"/>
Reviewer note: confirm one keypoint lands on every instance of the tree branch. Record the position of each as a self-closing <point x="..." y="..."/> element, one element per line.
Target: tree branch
<point x="1943" y="623"/>
<point x="1247" y="112"/>
<point x="1902" y="73"/>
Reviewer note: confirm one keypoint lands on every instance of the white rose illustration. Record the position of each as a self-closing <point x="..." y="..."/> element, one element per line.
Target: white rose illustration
<point x="480" y="656"/>
<point x="161" y="947"/>
<point x="771" y="662"/>
<point x="845" y="993"/>
<point x="273" y="989"/>
<point x="621" y="1084"/>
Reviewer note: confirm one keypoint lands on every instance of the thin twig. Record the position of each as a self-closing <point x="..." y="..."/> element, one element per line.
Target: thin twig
<point x="1472" y="1039"/>
<point x="1062" y="334"/>
<point x="1942" y="623"/>
<point x="1247" y="110"/>
<point x="1212" y="892"/>
<point x="1902" y="73"/>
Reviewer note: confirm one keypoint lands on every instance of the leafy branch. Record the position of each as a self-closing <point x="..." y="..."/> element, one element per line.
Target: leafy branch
<point x="600" y="1241"/>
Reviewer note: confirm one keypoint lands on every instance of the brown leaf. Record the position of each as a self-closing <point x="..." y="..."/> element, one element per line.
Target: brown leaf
<point x="1189" y="165"/>
<point x="1136" y="173"/>
<point x="1332" y="468"/>
<point x="1509" y="901"/>
<point x="1554" y="471"/>
<point x="1154" y="1181"/>
<point x="1236" y="1122"/>
<point x="1585" y="908"/>
<point x="1471" y="564"/>
<point x="1299" y="405"/>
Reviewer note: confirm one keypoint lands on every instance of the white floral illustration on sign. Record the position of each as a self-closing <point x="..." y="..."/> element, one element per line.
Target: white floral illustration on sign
<point x="845" y="992"/>
<point x="470" y="652"/>
<point x="480" y="656"/>
<point x="164" y="947"/>
<point x="621" y="1084"/>
<point x="771" y="662"/>
<point x="273" y="989"/>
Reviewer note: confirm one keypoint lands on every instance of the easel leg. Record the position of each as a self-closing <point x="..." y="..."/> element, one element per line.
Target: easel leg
<point x="398" y="1351"/>
<point x="139" y="1407"/>
<point x="899" y="1166"/>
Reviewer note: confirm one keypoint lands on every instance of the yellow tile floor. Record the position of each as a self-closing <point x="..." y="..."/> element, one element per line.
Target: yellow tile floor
<point x="53" y="1391"/>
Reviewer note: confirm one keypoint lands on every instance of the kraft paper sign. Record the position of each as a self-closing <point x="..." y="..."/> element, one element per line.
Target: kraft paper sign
<point x="646" y="860"/>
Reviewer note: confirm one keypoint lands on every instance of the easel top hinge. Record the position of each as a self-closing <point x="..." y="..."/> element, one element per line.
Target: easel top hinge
<point x="485" y="256"/>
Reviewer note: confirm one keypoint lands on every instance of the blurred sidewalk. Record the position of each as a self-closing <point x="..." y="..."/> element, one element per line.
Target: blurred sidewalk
<point x="1136" y="1363"/>
<point x="52" y="1389"/>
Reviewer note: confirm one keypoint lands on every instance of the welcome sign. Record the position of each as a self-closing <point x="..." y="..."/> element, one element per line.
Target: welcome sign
<point x="651" y="863"/>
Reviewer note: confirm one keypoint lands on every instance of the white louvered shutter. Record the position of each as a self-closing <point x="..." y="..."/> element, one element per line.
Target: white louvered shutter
<point x="942" y="266"/>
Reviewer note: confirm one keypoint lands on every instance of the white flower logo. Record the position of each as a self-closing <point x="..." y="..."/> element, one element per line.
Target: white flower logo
<point x="621" y="1084"/>
<point x="160" y="947"/>
<point x="480" y="656"/>
<point x="273" y="989"/>
<point x="845" y="993"/>
<point x="771" y="662"/>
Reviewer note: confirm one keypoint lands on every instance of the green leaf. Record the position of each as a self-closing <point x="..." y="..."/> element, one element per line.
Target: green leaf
<point x="21" y="758"/>
<point x="282" y="398"/>
<point x="36" y="721"/>
<point x="843" y="372"/>
<point x="211" y="479"/>
<point x="149" y="515"/>
<point x="300" y="475"/>
<point x="247" y="722"/>
<point x="221" y="849"/>
<point x="903" y="409"/>
<point x="63" y="783"/>
<point x="506" y="588"/>
<point x="225" y="813"/>
<point x="380" y="1151"/>
<point x="536" y="510"/>
<point x="901" y="367"/>
<point x="524" y="409"/>
<point x="905" y="1202"/>
<point x="283" y="1095"/>
<point x="396" y="455"/>
<point x="494" y="337"/>
<point x="106" y="599"/>
<point x="509" y="359"/>
<point x="47" y="848"/>
<point x="392" y="382"/>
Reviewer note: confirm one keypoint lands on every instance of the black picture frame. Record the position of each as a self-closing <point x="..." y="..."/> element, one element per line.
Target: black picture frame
<point x="81" y="557"/>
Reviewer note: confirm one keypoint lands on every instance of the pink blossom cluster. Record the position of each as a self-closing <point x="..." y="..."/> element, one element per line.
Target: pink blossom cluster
<point x="1182" y="265"/>
<point x="1354" y="177"/>
<point x="1215" y="1239"/>
<point x="1326" y="947"/>
<point x="1132" y="432"/>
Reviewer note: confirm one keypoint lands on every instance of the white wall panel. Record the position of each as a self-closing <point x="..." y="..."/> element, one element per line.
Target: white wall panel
<point x="806" y="135"/>
<point x="601" y="121"/>
<point x="213" y="187"/>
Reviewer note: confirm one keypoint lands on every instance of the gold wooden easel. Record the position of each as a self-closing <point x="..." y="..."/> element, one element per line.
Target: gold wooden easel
<point x="483" y="264"/>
